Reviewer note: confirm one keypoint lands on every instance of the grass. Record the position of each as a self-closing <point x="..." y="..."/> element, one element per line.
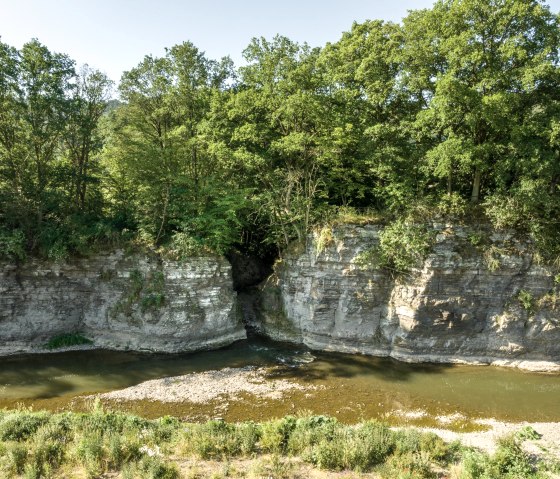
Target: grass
<point x="37" y="445"/>
<point x="67" y="339"/>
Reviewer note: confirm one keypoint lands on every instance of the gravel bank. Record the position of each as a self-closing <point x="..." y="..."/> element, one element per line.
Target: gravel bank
<point x="202" y="387"/>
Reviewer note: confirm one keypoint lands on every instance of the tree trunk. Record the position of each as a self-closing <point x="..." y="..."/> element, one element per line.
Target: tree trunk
<point x="476" y="186"/>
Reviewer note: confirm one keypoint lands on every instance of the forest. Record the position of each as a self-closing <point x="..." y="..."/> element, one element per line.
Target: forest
<point x="454" y="114"/>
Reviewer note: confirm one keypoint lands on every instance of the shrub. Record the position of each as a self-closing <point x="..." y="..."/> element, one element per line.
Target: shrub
<point x="274" y="467"/>
<point x="409" y="466"/>
<point x="19" y="426"/>
<point x="66" y="340"/>
<point x="360" y="447"/>
<point x="309" y="431"/>
<point x="527" y="301"/>
<point x="276" y="434"/>
<point x="217" y="439"/>
<point x="511" y="460"/>
<point x="14" y="458"/>
<point x="402" y="246"/>
<point x="12" y="245"/>
<point x="151" y="467"/>
<point x="89" y="452"/>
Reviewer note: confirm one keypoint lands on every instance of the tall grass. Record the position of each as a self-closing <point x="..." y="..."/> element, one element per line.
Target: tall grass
<point x="37" y="445"/>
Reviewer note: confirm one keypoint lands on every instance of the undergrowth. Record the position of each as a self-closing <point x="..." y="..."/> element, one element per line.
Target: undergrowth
<point x="43" y="445"/>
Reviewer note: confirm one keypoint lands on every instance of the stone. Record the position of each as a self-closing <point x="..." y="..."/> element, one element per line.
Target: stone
<point x="137" y="302"/>
<point x="452" y="308"/>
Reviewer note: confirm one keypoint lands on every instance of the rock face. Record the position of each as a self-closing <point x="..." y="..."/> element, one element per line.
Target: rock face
<point x="491" y="305"/>
<point x="134" y="302"/>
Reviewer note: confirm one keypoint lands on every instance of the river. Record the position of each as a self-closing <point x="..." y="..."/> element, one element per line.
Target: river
<point x="351" y="387"/>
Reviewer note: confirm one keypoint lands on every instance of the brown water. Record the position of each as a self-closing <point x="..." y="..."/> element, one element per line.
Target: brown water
<point x="350" y="386"/>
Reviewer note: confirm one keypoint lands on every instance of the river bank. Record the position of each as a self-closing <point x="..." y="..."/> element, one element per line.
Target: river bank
<point x="102" y="443"/>
<point x="230" y="385"/>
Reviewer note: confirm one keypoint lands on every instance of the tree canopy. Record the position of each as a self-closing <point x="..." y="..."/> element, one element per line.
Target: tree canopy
<point x="457" y="108"/>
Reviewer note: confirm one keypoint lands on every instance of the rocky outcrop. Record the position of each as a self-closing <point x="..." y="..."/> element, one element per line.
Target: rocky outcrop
<point x="126" y="302"/>
<point x="466" y="303"/>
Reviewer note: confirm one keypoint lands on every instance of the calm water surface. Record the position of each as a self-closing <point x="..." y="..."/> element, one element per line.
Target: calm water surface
<point x="358" y="386"/>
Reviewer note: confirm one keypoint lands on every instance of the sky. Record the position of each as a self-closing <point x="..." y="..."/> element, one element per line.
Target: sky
<point x="114" y="35"/>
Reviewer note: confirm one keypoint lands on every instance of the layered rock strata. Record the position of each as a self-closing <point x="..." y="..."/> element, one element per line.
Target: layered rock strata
<point x="490" y="304"/>
<point x="126" y="302"/>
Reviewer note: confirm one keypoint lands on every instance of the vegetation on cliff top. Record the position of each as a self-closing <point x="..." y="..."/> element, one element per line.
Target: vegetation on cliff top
<point x="41" y="445"/>
<point x="455" y="110"/>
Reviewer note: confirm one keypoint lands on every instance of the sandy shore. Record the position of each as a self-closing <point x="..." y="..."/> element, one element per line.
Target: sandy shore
<point x="547" y="444"/>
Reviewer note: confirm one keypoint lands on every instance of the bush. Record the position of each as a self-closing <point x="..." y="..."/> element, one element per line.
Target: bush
<point x="151" y="468"/>
<point x="510" y="460"/>
<point x="19" y="426"/>
<point x="66" y="340"/>
<point x="89" y="452"/>
<point x="409" y="466"/>
<point x="402" y="246"/>
<point x="12" y="245"/>
<point x="276" y="434"/>
<point x="360" y="447"/>
<point x="13" y="459"/>
<point x="218" y="439"/>
<point x="309" y="431"/>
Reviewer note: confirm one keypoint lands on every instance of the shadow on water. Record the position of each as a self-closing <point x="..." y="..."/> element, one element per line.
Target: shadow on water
<point x="336" y="365"/>
<point x="55" y="388"/>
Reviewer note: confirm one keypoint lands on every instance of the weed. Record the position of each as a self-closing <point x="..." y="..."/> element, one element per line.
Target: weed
<point x="274" y="467"/>
<point x="323" y="238"/>
<point x="218" y="439"/>
<point x="527" y="433"/>
<point x="276" y="434"/>
<point x="412" y="465"/>
<point x="493" y="257"/>
<point x="526" y="300"/>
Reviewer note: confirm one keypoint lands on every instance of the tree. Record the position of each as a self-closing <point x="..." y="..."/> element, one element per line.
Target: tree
<point x="476" y="63"/>
<point x="81" y="136"/>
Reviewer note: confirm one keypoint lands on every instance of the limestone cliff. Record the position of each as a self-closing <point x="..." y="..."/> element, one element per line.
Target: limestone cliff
<point x="457" y="307"/>
<point x="135" y="302"/>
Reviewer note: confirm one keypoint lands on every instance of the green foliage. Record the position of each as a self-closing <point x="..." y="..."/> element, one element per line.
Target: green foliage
<point x="12" y="245"/>
<point x="402" y="246"/>
<point x="409" y="466"/>
<point x="509" y="461"/>
<point x="151" y="468"/>
<point x="67" y="339"/>
<point x="493" y="257"/>
<point x="218" y="439"/>
<point x="452" y="114"/>
<point x="359" y="448"/>
<point x="20" y="426"/>
<point x="323" y="239"/>
<point x="527" y="433"/>
<point x="147" y="291"/>
<point x="103" y="444"/>
<point x="276" y="434"/>
<point x="526" y="300"/>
